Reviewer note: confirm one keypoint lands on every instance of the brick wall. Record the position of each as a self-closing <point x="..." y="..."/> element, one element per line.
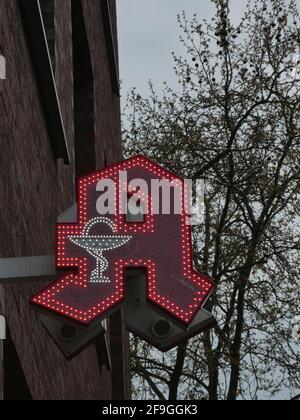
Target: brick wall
<point x="106" y="128"/>
<point x="35" y="188"/>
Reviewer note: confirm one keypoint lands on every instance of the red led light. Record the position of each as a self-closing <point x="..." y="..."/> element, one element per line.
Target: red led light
<point x="161" y="244"/>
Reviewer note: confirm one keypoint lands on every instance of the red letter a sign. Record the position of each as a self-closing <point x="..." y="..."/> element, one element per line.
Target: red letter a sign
<point x="101" y="247"/>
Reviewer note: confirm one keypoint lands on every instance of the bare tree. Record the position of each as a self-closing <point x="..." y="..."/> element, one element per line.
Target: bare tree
<point x="233" y="121"/>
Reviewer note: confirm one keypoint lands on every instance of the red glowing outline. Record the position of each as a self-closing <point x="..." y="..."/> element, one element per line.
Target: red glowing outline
<point x="45" y="298"/>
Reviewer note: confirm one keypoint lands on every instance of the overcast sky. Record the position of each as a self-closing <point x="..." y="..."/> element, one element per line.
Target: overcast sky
<point x="148" y="33"/>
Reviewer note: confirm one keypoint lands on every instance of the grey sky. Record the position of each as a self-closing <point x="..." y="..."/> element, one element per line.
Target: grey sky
<point x="148" y="33"/>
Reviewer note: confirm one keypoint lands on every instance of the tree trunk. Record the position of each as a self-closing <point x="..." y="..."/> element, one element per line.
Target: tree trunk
<point x="213" y="369"/>
<point x="177" y="372"/>
<point x="236" y="349"/>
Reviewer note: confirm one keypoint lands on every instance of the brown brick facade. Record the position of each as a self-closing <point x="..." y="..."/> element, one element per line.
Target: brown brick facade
<point x="35" y="187"/>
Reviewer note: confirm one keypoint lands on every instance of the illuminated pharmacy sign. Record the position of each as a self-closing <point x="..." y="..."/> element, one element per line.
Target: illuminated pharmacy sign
<point x="124" y="222"/>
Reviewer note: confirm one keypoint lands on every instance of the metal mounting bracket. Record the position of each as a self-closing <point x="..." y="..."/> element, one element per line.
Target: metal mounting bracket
<point x="27" y="268"/>
<point x="41" y="268"/>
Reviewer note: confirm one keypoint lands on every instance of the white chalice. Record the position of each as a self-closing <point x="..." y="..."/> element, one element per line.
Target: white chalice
<point x="95" y="245"/>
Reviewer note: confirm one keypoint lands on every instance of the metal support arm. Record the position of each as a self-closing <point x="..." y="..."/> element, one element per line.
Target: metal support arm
<point x="27" y="268"/>
<point x="38" y="267"/>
